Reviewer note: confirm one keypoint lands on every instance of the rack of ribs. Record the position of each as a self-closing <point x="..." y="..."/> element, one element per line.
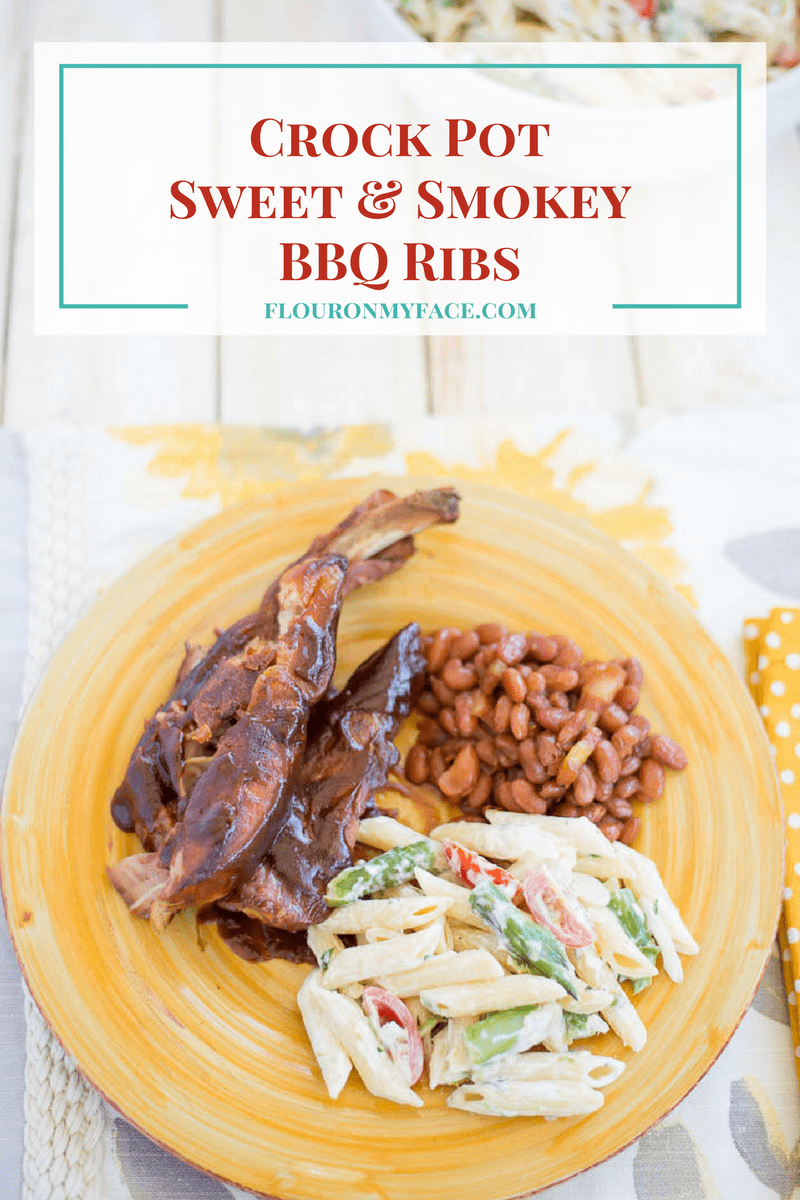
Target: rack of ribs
<point x="252" y="764"/>
<point x="349" y="755"/>
<point x="213" y="687"/>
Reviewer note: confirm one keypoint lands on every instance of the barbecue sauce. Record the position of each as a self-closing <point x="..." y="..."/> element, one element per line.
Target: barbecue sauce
<point x="256" y="942"/>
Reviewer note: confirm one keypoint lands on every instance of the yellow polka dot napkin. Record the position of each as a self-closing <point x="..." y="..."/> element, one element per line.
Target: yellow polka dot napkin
<point x="772" y="651"/>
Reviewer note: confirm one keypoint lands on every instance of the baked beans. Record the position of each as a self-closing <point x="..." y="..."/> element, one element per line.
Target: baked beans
<point x="522" y="721"/>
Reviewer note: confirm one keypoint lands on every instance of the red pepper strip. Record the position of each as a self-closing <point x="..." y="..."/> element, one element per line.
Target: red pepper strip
<point x="552" y="906"/>
<point x="644" y="8"/>
<point x="470" y="867"/>
<point x="384" y="1008"/>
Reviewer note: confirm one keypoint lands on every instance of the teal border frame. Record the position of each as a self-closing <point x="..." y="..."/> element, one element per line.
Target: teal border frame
<point x="737" y="67"/>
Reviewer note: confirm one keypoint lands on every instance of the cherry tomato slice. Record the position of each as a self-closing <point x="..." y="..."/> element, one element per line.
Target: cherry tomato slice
<point x="384" y="1008"/>
<point x="470" y="867"/>
<point x="787" y="58"/>
<point x="552" y="906"/>
<point x="644" y="8"/>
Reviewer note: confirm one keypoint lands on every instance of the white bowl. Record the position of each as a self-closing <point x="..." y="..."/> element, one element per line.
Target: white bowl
<point x="783" y="94"/>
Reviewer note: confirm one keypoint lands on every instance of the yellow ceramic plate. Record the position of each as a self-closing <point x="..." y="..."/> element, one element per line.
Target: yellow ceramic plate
<point x="206" y="1053"/>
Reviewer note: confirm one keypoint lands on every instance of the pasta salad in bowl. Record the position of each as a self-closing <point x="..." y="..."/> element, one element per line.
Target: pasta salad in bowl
<point x="774" y="22"/>
<point x="534" y="30"/>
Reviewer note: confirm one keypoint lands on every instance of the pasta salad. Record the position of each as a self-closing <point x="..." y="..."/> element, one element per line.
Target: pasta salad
<point x="774" y="22"/>
<point x="483" y="953"/>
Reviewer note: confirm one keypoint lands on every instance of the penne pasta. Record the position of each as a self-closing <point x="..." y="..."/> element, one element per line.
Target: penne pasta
<point x="527" y="1098"/>
<point x="623" y="1018"/>
<point x="642" y="877"/>
<point x="478" y="1008"/>
<point x="411" y="913"/>
<point x="562" y="868"/>
<point x="355" y="1034"/>
<point x="600" y="866"/>
<point x="331" y="1056"/>
<point x="323" y="944"/>
<point x="384" y="833"/>
<point x="588" y="889"/>
<point x="425" y="1024"/>
<point x="357" y="963"/>
<point x="472" y="999"/>
<point x="619" y="951"/>
<point x="505" y="842"/>
<point x="460" y="908"/>
<point x="470" y="966"/>
<point x="663" y="939"/>
<point x="469" y="937"/>
<point x="620" y="1014"/>
<point x="445" y="943"/>
<point x="577" y="831"/>
<point x="555" y="1039"/>
<point x="377" y="934"/>
<point x="449" y="1061"/>
<point x="590" y="1000"/>
<point x="573" y="1066"/>
<point x="400" y="891"/>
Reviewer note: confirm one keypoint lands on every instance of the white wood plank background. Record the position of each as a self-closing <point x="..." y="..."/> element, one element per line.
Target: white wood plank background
<point x="310" y="380"/>
<point x="14" y="67"/>
<point x="109" y="379"/>
<point x="680" y="373"/>
<point x="326" y="380"/>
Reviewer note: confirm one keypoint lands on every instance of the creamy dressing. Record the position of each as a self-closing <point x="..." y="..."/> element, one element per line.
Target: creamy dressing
<point x="774" y="22"/>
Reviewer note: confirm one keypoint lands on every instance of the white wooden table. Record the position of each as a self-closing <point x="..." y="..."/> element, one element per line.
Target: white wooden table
<point x="327" y="380"/>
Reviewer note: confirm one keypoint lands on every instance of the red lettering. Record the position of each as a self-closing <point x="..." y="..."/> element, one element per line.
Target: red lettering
<point x="483" y="140"/>
<point x="326" y="261"/>
<point x="479" y="196"/>
<point x="424" y="193"/>
<point x="186" y="201"/>
<point x="327" y="140"/>
<point x="255" y="137"/>
<point x="533" y="150"/>
<point x="544" y="202"/>
<point x="292" y="202"/>
<point x="290" y="261"/>
<point x="297" y="141"/>
<point x="225" y="200"/>
<point x="327" y="196"/>
<point x="447" y="263"/>
<point x="581" y="201"/>
<point x="454" y="139"/>
<point x="257" y="202"/>
<point x="524" y="202"/>
<point x="367" y="140"/>
<point x="502" y="261"/>
<point x="382" y="264"/>
<point x="468" y="263"/>
<point x="615" y="201"/>
<point x="408" y="139"/>
<point x="413" y="260"/>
